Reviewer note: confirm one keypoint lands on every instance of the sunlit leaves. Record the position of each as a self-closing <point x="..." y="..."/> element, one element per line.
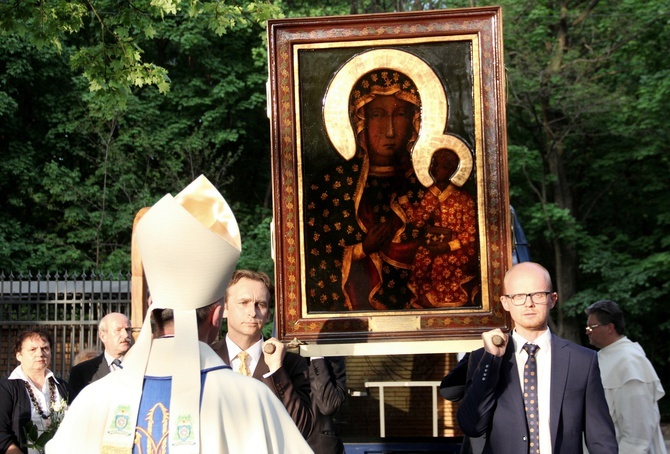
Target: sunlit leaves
<point x="111" y="57"/>
<point x="45" y="23"/>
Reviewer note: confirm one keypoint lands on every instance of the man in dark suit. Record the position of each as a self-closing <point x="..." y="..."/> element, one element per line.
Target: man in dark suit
<point x="328" y="380"/>
<point x="570" y="399"/>
<point x="247" y="310"/>
<point x="115" y="334"/>
<point x="452" y="388"/>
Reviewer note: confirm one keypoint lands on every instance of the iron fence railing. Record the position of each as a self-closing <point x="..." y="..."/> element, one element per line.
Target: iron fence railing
<point x="68" y="306"/>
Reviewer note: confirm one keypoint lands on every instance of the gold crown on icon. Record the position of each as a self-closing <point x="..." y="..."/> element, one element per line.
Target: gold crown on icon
<point x="383" y="82"/>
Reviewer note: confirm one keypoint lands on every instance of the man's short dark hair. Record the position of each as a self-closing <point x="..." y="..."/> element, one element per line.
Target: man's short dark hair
<point x="163" y="316"/>
<point x="254" y="276"/>
<point x="606" y="312"/>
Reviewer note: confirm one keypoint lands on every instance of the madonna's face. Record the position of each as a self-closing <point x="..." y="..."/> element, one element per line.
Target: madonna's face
<point x="388" y="129"/>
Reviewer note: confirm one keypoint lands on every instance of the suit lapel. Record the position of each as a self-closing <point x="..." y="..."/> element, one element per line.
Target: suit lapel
<point x="63" y="391"/>
<point x="511" y="376"/>
<point x="560" y="366"/>
<point x="223" y="352"/>
<point x="261" y="369"/>
<point x="103" y="368"/>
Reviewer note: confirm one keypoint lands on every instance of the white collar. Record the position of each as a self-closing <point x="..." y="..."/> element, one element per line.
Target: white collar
<point x="109" y="358"/>
<point x="255" y="351"/>
<point x="543" y="341"/>
<point x="18" y="374"/>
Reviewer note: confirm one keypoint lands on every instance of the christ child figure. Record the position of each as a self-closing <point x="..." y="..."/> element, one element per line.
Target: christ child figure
<point x="444" y="270"/>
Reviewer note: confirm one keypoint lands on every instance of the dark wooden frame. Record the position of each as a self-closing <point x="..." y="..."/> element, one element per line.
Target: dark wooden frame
<point x="286" y="38"/>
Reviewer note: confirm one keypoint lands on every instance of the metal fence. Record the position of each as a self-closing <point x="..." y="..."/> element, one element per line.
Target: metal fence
<point x="68" y="306"/>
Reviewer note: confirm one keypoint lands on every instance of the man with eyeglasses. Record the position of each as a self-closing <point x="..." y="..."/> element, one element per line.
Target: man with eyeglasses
<point x="632" y="388"/>
<point x="566" y="402"/>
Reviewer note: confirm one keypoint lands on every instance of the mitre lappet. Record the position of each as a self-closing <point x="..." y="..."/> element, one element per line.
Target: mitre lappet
<point x="189" y="246"/>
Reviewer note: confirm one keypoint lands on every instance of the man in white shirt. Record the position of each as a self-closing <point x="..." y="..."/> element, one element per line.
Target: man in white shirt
<point x="115" y="334"/>
<point x="247" y="310"/>
<point x="632" y="388"/>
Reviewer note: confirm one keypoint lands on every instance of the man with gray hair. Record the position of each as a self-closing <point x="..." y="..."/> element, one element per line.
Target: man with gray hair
<point x="632" y="388"/>
<point x="115" y="334"/>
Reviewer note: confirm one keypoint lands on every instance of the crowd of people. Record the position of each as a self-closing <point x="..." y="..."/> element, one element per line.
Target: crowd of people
<point x="181" y="387"/>
<point x="178" y="388"/>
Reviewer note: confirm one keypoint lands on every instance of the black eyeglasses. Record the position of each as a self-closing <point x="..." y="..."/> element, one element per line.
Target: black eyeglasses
<point x="519" y="299"/>
<point x="590" y="328"/>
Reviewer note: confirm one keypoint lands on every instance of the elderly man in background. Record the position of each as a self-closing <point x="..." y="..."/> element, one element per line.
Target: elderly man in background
<point x="115" y="334"/>
<point x="632" y="388"/>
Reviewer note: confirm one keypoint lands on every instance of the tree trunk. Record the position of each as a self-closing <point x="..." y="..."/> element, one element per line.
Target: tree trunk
<point x="555" y="127"/>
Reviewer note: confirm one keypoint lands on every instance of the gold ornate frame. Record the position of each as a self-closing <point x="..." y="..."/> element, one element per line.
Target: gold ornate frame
<point x="455" y="58"/>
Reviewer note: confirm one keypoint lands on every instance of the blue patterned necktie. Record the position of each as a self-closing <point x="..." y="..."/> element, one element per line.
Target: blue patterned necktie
<point x="530" y="398"/>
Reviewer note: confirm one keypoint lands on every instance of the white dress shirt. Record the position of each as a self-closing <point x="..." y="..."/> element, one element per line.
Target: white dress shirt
<point x="109" y="358"/>
<point x="255" y="353"/>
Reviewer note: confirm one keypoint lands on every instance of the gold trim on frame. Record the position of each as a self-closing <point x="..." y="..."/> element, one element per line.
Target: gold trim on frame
<point x="431" y="136"/>
<point x="358" y="332"/>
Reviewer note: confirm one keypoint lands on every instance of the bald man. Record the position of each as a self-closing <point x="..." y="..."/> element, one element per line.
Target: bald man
<point x="115" y="334"/>
<point x="535" y="393"/>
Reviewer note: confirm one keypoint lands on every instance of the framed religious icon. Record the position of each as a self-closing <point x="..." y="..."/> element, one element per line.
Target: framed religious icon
<point x="391" y="216"/>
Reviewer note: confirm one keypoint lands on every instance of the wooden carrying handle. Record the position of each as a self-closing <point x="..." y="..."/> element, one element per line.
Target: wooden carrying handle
<point x="498" y="341"/>
<point x="294" y="345"/>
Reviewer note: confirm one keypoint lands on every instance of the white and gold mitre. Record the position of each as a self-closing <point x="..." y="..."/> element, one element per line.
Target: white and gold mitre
<point x="189" y="246"/>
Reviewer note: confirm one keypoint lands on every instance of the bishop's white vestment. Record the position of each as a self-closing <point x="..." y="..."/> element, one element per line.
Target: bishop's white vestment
<point x="238" y="414"/>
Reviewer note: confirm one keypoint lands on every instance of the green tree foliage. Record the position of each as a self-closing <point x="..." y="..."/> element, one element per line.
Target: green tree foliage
<point x="80" y="164"/>
<point x="588" y="150"/>
<point x="256" y="254"/>
<point x="111" y="40"/>
<point x="105" y="107"/>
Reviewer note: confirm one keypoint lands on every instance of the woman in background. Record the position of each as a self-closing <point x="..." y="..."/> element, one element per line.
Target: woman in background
<point x="30" y="393"/>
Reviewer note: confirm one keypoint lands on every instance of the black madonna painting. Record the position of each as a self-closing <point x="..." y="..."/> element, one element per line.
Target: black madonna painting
<point x="376" y="237"/>
<point x="386" y="159"/>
